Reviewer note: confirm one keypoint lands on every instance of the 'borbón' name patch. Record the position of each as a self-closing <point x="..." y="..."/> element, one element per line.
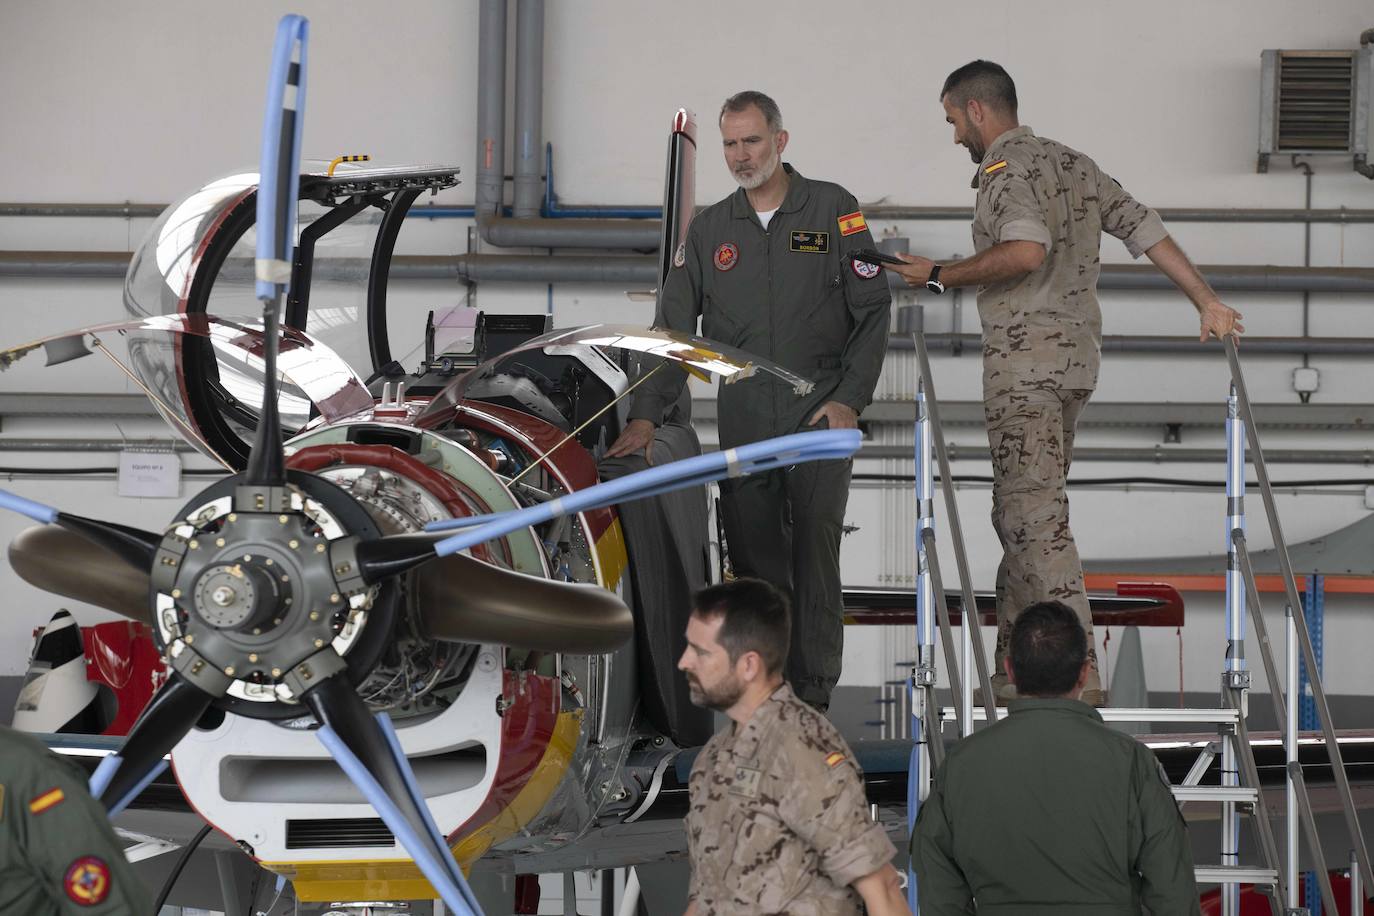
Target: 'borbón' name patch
<point x="814" y="242"/>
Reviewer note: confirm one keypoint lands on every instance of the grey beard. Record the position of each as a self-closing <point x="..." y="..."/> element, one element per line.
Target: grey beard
<point x="760" y="175"/>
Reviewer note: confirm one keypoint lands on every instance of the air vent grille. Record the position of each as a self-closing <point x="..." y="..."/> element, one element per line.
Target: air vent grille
<point x="1316" y="90"/>
<point x="338" y="832"/>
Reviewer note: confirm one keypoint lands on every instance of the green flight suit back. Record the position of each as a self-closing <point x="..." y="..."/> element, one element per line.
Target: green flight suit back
<point x="52" y="861"/>
<point x="1049" y="811"/>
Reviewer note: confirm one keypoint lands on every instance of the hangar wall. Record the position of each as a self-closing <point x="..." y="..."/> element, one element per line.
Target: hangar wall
<point x="142" y="101"/>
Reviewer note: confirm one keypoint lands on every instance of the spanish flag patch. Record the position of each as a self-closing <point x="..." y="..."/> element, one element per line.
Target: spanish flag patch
<point x="834" y="759"/>
<point x="45" y="801"/>
<point x="995" y="167"/>
<point x="851" y="223"/>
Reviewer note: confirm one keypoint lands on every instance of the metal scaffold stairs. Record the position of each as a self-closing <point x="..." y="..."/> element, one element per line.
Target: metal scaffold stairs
<point x="1240" y="791"/>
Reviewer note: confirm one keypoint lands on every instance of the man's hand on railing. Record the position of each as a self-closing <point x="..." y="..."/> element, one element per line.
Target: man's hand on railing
<point x="1218" y="320"/>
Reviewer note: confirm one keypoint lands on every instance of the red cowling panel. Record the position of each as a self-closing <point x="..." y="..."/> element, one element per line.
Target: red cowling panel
<point x="526" y="727"/>
<point x="122" y="656"/>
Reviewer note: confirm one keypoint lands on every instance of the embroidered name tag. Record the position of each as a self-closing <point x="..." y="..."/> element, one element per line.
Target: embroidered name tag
<point x="815" y="242"/>
<point x="745" y="783"/>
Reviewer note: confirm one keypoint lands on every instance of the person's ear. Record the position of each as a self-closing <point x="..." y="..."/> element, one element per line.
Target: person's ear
<point x="975" y="112"/>
<point x="750" y="667"/>
<point x="781" y="140"/>
<point x="1083" y="674"/>
<point x="1006" y="666"/>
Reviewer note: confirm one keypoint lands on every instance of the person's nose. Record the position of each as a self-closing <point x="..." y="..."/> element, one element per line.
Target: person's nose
<point x="682" y="663"/>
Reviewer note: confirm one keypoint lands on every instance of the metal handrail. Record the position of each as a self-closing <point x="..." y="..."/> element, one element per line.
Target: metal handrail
<point x="1295" y="608"/>
<point x="972" y="625"/>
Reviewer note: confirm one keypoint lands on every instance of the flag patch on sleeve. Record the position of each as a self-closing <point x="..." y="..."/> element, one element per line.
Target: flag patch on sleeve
<point x="995" y="167"/>
<point x="834" y="759"/>
<point x="45" y="801"/>
<point x="851" y="223"/>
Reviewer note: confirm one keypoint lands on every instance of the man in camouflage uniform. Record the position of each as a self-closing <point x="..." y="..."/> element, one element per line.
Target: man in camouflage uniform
<point x="766" y="270"/>
<point x="1049" y="810"/>
<point x="1037" y="229"/>
<point x="779" y="820"/>
<point x="58" y="852"/>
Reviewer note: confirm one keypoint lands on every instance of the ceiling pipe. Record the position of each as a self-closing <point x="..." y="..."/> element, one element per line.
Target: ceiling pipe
<point x="495" y="229"/>
<point x="1157" y="455"/>
<point x="643" y="270"/>
<point x="92" y="445"/>
<point x="1134" y="343"/>
<point x="894" y="212"/>
<point x="529" y="107"/>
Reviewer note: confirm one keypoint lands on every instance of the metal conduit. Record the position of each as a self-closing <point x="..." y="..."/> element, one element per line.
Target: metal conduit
<point x="1157" y="455"/>
<point x="895" y="212"/>
<point x="529" y="107"/>
<point x="642" y="270"/>
<point x="639" y="235"/>
<point x="1130" y="343"/>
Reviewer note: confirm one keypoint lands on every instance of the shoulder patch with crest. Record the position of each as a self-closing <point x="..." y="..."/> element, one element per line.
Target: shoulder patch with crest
<point x="680" y="256"/>
<point x="727" y="256"/>
<point x="851" y="223"/>
<point x="746" y="782"/>
<point x="865" y="270"/>
<point x="995" y="167"/>
<point x="87" y="881"/>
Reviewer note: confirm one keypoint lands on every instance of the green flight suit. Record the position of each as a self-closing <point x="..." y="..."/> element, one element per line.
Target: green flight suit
<point x="58" y="852"/>
<point x="789" y="295"/>
<point x="1050" y="812"/>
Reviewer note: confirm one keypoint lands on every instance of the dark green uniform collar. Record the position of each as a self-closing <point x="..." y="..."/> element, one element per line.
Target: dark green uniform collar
<point x="798" y="193"/>
<point x="1052" y="704"/>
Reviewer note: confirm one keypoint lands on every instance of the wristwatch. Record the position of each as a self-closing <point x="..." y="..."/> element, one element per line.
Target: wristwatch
<point x="933" y="283"/>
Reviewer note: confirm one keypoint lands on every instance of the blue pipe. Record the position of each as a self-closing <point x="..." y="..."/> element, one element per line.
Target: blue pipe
<point x="553" y="211"/>
<point x="281" y="157"/>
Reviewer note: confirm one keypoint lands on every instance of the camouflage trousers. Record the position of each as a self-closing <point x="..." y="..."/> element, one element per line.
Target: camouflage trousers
<point x="1030" y="436"/>
<point x="784" y="527"/>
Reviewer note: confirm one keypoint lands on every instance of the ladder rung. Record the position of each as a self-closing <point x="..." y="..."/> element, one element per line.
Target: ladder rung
<point x="1238" y="794"/>
<point x="1235" y="874"/>
<point x="1113" y="714"/>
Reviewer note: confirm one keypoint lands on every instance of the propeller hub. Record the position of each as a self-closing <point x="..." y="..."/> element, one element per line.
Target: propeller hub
<point x="234" y="596"/>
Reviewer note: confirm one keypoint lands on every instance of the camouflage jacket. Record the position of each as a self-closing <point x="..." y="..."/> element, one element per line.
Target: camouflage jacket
<point x="779" y="820"/>
<point x="1044" y="330"/>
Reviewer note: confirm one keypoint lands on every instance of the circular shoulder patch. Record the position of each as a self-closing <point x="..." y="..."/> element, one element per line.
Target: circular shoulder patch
<point x="680" y="256"/>
<point x="727" y="256"/>
<point x="865" y="270"/>
<point x="87" y="881"/>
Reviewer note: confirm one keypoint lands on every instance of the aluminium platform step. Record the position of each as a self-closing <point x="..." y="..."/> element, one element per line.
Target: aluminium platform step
<point x="1235" y="874"/>
<point x="1238" y="794"/>
<point x="1121" y="714"/>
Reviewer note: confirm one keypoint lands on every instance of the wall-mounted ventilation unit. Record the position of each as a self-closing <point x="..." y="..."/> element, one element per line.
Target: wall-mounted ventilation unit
<point x="1317" y="103"/>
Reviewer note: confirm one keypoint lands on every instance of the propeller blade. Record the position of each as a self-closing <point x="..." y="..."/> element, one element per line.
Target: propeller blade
<point x="278" y="186"/>
<point x="367" y="754"/>
<point x="768" y="454"/>
<point x="176" y="707"/>
<point x="133" y="546"/>
<point x="67" y="564"/>
<point x="391" y="556"/>
<point x="462" y="599"/>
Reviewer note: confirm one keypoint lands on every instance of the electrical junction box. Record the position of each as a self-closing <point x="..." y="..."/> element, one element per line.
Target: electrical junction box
<point x="1306" y="380"/>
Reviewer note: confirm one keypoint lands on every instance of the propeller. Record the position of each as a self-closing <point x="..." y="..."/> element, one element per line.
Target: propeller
<point x="254" y="596"/>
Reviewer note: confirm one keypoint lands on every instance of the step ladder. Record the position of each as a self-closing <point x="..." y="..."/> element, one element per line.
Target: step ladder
<point x="1240" y="791"/>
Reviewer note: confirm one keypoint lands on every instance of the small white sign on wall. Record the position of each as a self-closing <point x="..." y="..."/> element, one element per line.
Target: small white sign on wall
<point x="149" y="474"/>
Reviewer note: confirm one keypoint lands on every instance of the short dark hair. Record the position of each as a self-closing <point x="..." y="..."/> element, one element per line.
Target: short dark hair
<point x="742" y="100"/>
<point x="982" y="80"/>
<point x="756" y="618"/>
<point x="1048" y="648"/>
